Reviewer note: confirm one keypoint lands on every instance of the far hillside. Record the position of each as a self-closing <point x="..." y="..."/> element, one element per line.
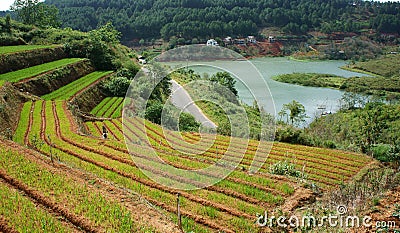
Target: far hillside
<point x="189" y="19"/>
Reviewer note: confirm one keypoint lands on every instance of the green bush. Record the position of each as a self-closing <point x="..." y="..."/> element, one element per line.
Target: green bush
<point x="286" y="168"/>
<point x="188" y="123"/>
<point x="385" y="152"/>
<point x="116" y="86"/>
<point x="381" y="152"/>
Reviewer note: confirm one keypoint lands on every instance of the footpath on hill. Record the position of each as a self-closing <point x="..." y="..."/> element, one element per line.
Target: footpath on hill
<point x="181" y="99"/>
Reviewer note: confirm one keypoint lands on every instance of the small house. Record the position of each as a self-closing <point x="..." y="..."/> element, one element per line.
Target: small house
<point x="240" y="41"/>
<point x="212" y="42"/>
<point x="251" y="39"/>
<point x="142" y="60"/>
<point x="271" y="39"/>
<point x="228" y="40"/>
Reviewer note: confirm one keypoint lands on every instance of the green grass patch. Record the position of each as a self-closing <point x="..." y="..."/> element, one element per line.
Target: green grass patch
<point x="98" y="107"/>
<point x="19" y="75"/>
<point x="387" y="66"/>
<point x="106" y="107"/>
<point x="71" y="89"/>
<point x="23" y="123"/>
<point x="118" y="111"/>
<point x="113" y="107"/>
<point x="311" y="79"/>
<point x="22" y="48"/>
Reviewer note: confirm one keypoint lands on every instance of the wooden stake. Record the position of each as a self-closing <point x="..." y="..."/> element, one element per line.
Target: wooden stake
<point x="178" y="207"/>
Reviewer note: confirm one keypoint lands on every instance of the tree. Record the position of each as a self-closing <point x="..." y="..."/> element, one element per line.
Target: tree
<point x="225" y="79"/>
<point x="8" y="23"/>
<point x="188" y="123"/>
<point x="296" y="112"/>
<point x="154" y="111"/>
<point x="37" y="13"/>
<point x="117" y="86"/>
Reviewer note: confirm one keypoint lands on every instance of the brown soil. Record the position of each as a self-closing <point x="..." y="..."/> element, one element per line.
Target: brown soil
<point x="383" y="211"/>
<point x="5" y="227"/>
<point x="11" y="101"/>
<point x="300" y="198"/>
<point x="28" y="130"/>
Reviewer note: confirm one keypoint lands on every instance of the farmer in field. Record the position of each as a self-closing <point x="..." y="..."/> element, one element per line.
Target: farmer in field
<point x="105" y="132"/>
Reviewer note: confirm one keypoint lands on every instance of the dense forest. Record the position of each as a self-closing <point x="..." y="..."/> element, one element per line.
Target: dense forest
<point x="152" y="19"/>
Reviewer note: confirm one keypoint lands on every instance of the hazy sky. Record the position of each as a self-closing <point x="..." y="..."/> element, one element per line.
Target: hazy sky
<point x="5" y="4"/>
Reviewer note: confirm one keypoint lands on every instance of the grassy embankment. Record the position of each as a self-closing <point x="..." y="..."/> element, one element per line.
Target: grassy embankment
<point x="384" y="80"/>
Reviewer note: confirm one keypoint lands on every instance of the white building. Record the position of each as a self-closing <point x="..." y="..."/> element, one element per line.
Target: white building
<point x="271" y="39"/>
<point x="228" y="40"/>
<point x="142" y="60"/>
<point x="251" y="39"/>
<point x="212" y="42"/>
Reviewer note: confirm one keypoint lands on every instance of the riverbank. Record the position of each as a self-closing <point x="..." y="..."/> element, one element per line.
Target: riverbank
<point x="312" y="79"/>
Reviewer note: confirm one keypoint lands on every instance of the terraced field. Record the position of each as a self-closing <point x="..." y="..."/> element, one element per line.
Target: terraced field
<point x="21" y="48"/>
<point x="229" y="206"/>
<point x="60" y="180"/>
<point x="110" y="107"/>
<point x="30" y="72"/>
<point x="68" y="91"/>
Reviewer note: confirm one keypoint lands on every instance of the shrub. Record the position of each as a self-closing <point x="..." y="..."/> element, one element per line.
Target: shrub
<point x="286" y="168"/>
<point x="117" y="86"/>
<point x="385" y="152"/>
<point x="188" y="123"/>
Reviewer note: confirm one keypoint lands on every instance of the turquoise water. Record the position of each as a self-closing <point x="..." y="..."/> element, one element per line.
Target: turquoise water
<point x="311" y="97"/>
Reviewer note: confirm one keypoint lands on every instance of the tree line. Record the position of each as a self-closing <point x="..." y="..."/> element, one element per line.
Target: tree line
<point x="149" y="19"/>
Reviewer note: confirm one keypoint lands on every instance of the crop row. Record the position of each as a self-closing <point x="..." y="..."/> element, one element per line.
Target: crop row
<point x="349" y="165"/>
<point x="19" y="75"/>
<point x="110" y="107"/>
<point x="179" y="159"/>
<point x="115" y="109"/>
<point x="67" y="91"/>
<point x="23" y="123"/>
<point x="163" y="149"/>
<point x="339" y="158"/>
<point x="320" y="169"/>
<point x="121" y="170"/>
<point x="151" y="164"/>
<point x="100" y="106"/>
<point x="22" y="214"/>
<point x="21" y="48"/>
<point x="314" y="167"/>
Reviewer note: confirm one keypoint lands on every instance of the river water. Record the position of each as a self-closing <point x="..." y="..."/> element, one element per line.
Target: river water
<point x="312" y="98"/>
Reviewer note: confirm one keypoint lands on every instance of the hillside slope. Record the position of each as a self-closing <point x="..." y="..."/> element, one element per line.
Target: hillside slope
<point x="217" y="18"/>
